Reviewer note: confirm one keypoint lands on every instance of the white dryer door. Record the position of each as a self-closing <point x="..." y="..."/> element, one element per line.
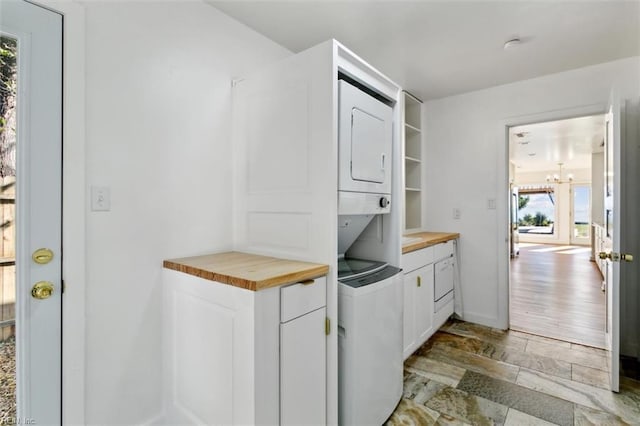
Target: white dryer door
<point x="366" y="141"/>
<point x="368" y="151"/>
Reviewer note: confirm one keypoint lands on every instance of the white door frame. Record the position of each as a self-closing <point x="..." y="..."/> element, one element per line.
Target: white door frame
<point x="504" y="192"/>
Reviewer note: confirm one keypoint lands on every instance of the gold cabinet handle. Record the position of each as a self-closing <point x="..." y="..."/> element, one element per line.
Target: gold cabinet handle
<point x="419" y="280"/>
<point x="42" y="290"/>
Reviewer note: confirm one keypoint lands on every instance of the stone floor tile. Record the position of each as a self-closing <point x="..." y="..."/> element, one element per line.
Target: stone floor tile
<point x="488" y="334"/>
<point x="568" y="355"/>
<point x="590" y="376"/>
<point x="537" y="404"/>
<point x="469" y="361"/>
<point x="585" y="416"/>
<point x="467" y="408"/>
<point x="434" y="370"/>
<point x="409" y="413"/>
<point x="542" y="339"/>
<point x="625" y="404"/>
<point x="419" y="389"/>
<point x="588" y="349"/>
<point x="518" y="418"/>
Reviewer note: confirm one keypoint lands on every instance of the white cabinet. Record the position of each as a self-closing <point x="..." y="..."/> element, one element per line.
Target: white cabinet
<point x="428" y="293"/>
<point x="412" y="138"/>
<point x="418" y="308"/>
<point x="418" y="299"/>
<point x="302" y="370"/>
<point x="235" y="356"/>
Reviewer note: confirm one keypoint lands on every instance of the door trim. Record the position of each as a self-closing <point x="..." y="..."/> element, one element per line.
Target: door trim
<point x="73" y="207"/>
<point x="504" y="193"/>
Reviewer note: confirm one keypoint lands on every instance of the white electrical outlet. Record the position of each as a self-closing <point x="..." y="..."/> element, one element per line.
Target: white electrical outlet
<point x="100" y="199"/>
<point x="456" y="213"/>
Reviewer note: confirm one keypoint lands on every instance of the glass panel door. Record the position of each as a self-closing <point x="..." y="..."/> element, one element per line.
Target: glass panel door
<point x="8" y="84"/>
<point x="580" y="214"/>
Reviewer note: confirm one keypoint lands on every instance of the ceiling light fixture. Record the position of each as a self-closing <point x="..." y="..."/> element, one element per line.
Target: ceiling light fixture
<point x="512" y="43"/>
<point x="557" y="177"/>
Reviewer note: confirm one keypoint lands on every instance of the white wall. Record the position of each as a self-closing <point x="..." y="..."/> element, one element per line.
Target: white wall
<point x="466" y="165"/>
<point x="158" y="134"/>
<point x="563" y="226"/>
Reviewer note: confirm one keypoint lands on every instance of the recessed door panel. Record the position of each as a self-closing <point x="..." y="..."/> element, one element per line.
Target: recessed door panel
<point x="367" y="147"/>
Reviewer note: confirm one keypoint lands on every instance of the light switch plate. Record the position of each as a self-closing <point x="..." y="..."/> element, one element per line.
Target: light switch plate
<point x="491" y="203"/>
<point x="100" y="199"/>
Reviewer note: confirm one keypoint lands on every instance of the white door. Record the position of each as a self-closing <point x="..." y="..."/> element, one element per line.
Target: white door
<point x="31" y="163"/>
<point x="613" y="171"/>
<point x="580" y="214"/>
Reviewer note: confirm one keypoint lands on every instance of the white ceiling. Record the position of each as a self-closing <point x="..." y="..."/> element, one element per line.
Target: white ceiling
<point x="540" y="147"/>
<point x="440" y="48"/>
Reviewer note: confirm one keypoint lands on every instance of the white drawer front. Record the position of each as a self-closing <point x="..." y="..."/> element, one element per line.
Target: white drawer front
<point x="443" y="278"/>
<point x="417" y="259"/>
<point x="300" y="298"/>
<point x="443" y="250"/>
<point x="443" y="301"/>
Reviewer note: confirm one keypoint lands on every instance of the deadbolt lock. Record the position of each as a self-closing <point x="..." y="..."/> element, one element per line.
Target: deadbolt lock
<point x="42" y="256"/>
<point x="42" y="290"/>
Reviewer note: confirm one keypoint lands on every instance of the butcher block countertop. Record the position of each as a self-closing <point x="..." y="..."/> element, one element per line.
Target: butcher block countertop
<point x="420" y="240"/>
<point x="248" y="271"/>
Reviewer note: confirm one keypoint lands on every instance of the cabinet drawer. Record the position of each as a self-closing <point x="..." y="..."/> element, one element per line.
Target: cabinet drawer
<point x="444" y="301"/>
<point x="300" y="298"/>
<point x="443" y="250"/>
<point x="417" y="259"/>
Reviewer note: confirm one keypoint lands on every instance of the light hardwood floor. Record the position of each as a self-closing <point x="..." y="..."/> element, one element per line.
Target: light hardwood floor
<point x="555" y="292"/>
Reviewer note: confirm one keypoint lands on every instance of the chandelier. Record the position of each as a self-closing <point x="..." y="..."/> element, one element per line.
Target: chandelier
<point x="557" y="177"/>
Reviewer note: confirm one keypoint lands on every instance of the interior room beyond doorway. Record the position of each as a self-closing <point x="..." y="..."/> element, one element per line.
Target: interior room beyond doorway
<point x="557" y="180"/>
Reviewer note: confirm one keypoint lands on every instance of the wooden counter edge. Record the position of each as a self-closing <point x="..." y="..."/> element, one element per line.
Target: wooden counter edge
<point x="408" y="248"/>
<point x="279" y="280"/>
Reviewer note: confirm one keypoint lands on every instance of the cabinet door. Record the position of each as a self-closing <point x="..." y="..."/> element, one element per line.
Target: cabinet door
<point x="409" y="326"/>
<point x="303" y="370"/>
<point x="424" y="303"/>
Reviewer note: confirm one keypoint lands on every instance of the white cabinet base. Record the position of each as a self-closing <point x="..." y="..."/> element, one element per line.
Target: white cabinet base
<point x="229" y="359"/>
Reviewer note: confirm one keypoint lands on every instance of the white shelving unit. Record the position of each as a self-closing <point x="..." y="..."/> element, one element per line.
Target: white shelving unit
<point x="412" y="137"/>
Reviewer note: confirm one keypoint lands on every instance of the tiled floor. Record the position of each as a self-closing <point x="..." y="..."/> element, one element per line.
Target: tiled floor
<point x="467" y="374"/>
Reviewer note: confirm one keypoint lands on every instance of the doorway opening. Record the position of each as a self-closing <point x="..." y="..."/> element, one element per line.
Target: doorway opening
<point x="556" y="177"/>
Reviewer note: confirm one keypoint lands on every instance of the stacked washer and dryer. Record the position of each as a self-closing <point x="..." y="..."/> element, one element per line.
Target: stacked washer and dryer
<point x="369" y="290"/>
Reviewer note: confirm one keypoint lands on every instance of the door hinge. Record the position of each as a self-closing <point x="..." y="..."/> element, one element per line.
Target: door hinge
<point x="327" y="326"/>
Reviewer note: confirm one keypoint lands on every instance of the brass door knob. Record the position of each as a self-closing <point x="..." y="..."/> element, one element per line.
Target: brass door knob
<point x="42" y="290"/>
<point x="616" y="257"/>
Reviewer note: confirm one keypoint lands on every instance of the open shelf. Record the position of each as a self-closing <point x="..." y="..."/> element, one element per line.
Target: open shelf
<point x="413" y="212"/>
<point x="412" y="162"/>
<point x="412" y="174"/>
<point x="412" y="106"/>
